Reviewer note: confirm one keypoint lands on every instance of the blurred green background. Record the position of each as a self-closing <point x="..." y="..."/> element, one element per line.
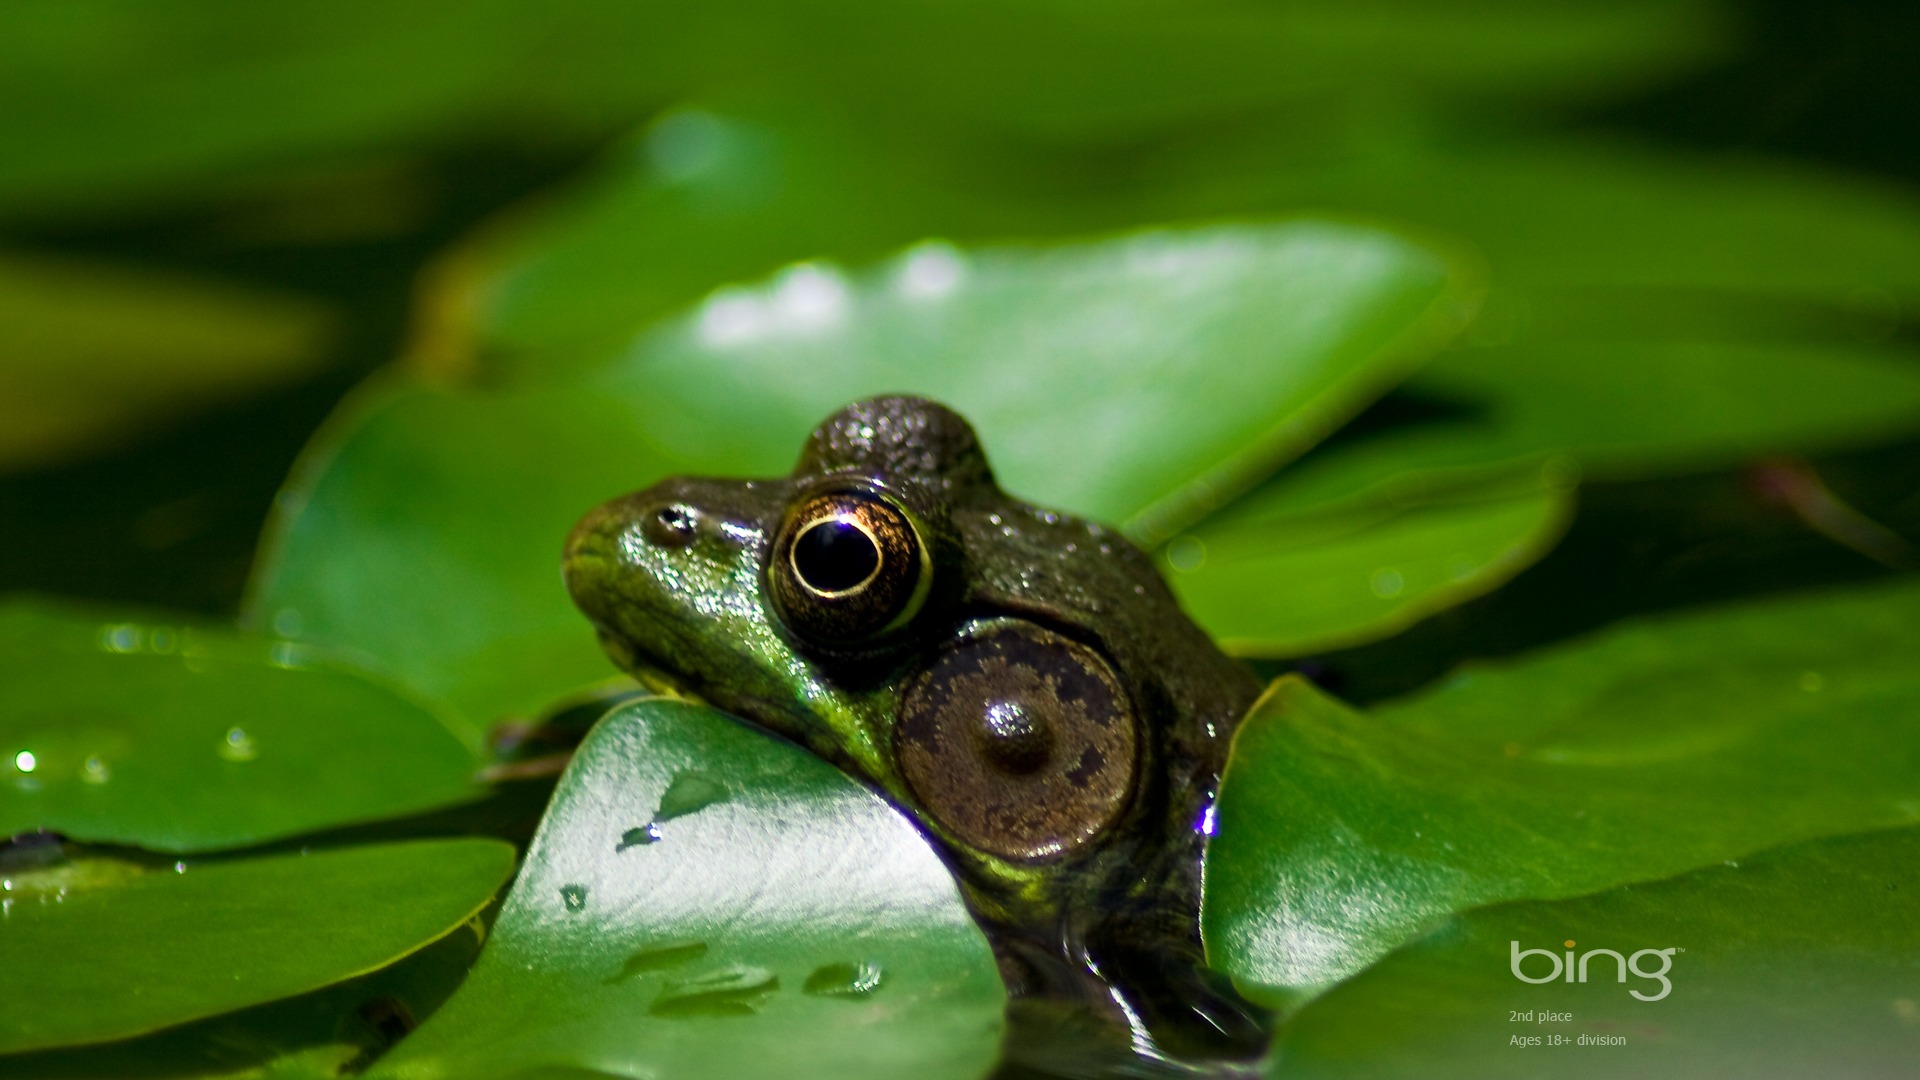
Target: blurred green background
<point x="300" y="175"/>
<point x="1589" y="310"/>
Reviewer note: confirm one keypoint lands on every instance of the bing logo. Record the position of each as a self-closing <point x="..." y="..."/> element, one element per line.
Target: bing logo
<point x="1573" y="967"/>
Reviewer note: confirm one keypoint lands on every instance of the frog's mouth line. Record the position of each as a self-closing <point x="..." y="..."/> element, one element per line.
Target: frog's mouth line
<point x="648" y="669"/>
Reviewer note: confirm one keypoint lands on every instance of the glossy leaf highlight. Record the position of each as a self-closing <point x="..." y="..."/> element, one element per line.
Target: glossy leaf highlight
<point x="799" y="919"/>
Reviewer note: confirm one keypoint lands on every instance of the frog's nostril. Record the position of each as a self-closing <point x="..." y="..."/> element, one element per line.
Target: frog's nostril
<point x="672" y="526"/>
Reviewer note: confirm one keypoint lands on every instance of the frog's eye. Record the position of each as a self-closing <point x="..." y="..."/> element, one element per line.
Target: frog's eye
<point x="848" y="567"/>
<point x="1020" y="743"/>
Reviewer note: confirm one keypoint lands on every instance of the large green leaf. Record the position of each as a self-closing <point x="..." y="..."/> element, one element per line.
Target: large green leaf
<point x="94" y="352"/>
<point x="1140" y="379"/>
<point x="703" y="900"/>
<point x="1795" y="962"/>
<point x="185" y="738"/>
<point x="1280" y="574"/>
<point x="1645" y="751"/>
<point x="143" y="950"/>
<point x="114" y="101"/>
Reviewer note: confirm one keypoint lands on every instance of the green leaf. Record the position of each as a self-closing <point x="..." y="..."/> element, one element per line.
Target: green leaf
<point x="159" y="948"/>
<point x="423" y="527"/>
<point x="319" y="1035"/>
<point x="1653" y="406"/>
<point x="1270" y="576"/>
<point x="795" y="917"/>
<point x="1139" y="379"/>
<point x="92" y="353"/>
<point x="187" y="738"/>
<point x="1647" y="750"/>
<point x="1795" y="962"/>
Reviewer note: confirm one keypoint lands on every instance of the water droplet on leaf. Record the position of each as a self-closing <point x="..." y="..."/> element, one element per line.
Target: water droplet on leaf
<point x="844" y="980"/>
<point x="574" y="896"/>
<point x="638" y="837"/>
<point x="238" y="746"/>
<point x="659" y="957"/>
<point x="735" y="990"/>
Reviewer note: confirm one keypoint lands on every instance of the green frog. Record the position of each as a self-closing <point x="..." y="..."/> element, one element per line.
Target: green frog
<point x="1020" y="681"/>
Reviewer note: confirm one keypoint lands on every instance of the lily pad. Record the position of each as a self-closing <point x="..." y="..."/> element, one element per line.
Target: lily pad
<point x="1632" y="406"/>
<point x="1797" y="961"/>
<point x="1218" y="353"/>
<point x="119" y="729"/>
<point x="1648" y="750"/>
<point x="1141" y="379"/>
<point x="1270" y="577"/>
<point x="799" y="919"/>
<point x="160" y="948"/>
<point x="315" y="1036"/>
<point x="93" y="352"/>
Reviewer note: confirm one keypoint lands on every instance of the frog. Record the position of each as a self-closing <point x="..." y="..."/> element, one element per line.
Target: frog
<point x="1019" y="681"/>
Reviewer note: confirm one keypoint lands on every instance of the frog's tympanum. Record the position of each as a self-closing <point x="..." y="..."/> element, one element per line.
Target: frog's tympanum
<point x="1020" y="681"/>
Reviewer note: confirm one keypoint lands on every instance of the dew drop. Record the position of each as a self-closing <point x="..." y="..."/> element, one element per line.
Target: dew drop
<point x="25" y="761"/>
<point x="238" y="746"/>
<point x="640" y="836"/>
<point x="844" y="980"/>
<point x="94" y="770"/>
<point x="735" y="990"/>
<point x="1387" y="582"/>
<point x="120" y="638"/>
<point x="1187" y="554"/>
<point x="659" y="958"/>
<point x="574" y="896"/>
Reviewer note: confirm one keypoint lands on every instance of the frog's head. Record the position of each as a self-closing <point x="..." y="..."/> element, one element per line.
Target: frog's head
<point x="1020" y="680"/>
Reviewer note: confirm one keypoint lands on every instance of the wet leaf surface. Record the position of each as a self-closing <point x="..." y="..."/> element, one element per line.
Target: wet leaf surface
<point x="119" y="729"/>
<point x="137" y="953"/>
<point x="799" y="919"/>
<point x="1643" y="751"/>
<point x="1140" y="379"/>
<point x="1797" y="961"/>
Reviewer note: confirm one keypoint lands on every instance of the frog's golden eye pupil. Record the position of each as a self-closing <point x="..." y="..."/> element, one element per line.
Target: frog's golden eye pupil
<point x="847" y="568"/>
<point x="835" y="555"/>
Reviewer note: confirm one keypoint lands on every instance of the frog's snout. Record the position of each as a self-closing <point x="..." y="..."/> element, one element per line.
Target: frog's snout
<point x="586" y="562"/>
